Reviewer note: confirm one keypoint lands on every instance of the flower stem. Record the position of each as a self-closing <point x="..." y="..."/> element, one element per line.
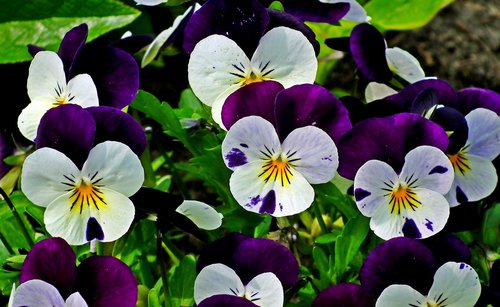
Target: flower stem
<point x="6" y="244"/>
<point x="162" y="261"/>
<point x="24" y="230"/>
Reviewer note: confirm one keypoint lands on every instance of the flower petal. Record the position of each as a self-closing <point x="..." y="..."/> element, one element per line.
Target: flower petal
<point x="119" y="168"/>
<point x="46" y="73"/>
<point x="106" y="281"/>
<point x="455" y="284"/>
<point x="399" y="295"/>
<point x="250" y="139"/>
<point x="316" y="11"/>
<point x="343" y="294"/>
<point x="265" y="290"/>
<point x="71" y="46"/>
<point x="220" y="250"/>
<point x="297" y="67"/>
<point x="403" y="64"/>
<point x="217" y="279"/>
<point x="484" y="133"/>
<point x="45" y="170"/>
<point x="216" y="63"/>
<point x="472" y="98"/>
<point x="203" y="215"/>
<point x="29" y="119"/>
<point x="445" y="93"/>
<point x="375" y="91"/>
<point x="312" y="153"/>
<point x="356" y="12"/>
<point x="224" y="300"/>
<point x="51" y="260"/>
<point x="37" y="293"/>
<point x="428" y="167"/>
<point x="75" y="300"/>
<point x="83" y="89"/>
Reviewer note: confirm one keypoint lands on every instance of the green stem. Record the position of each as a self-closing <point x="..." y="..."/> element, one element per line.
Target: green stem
<point x="283" y="222"/>
<point x="319" y="217"/>
<point x="174" y="253"/>
<point x="162" y="261"/>
<point x="24" y="230"/>
<point x="6" y="244"/>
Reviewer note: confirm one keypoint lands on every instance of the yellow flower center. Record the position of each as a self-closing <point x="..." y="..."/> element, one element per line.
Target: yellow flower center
<point x="460" y="162"/>
<point x="276" y="170"/>
<point x="253" y="78"/>
<point x="86" y="195"/>
<point x="403" y="198"/>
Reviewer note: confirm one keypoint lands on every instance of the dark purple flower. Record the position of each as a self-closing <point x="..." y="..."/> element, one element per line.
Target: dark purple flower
<point x="472" y="98"/>
<point x="6" y="149"/>
<point x="101" y="280"/>
<point x="445" y="247"/>
<point x="444" y="92"/>
<point x="223" y="300"/>
<point x="307" y="10"/>
<point x="387" y="139"/>
<point x="344" y="294"/>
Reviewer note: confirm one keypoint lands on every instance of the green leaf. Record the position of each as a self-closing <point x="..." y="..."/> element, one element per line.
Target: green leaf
<point x="329" y="194"/>
<point x="491" y="227"/>
<point x="263" y="228"/>
<point x="349" y="242"/>
<point x="326" y="238"/>
<point x="181" y="283"/>
<point x="403" y="14"/>
<point x="9" y="227"/>
<point x="44" y="23"/>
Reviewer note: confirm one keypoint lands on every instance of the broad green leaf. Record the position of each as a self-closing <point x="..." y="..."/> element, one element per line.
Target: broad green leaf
<point x="322" y="262"/>
<point x="44" y="23"/>
<point x="155" y="298"/>
<point x="9" y="227"/>
<point x="403" y="14"/>
<point x="329" y="195"/>
<point x="491" y="227"/>
<point x="263" y="228"/>
<point x="326" y="238"/>
<point x="349" y="242"/>
<point x="181" y="283"/>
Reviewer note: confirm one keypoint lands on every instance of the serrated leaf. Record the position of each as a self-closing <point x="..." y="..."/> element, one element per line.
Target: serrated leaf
<point x="403" y="14"/>
<point x="349" y="242"/>
<point x="44" y="23"/>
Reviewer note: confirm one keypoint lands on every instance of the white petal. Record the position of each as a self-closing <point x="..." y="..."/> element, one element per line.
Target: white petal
<point x="313" y="153"/>
<point x="215" y="64"/>
<point x="278" y="195"/>
<point x="475" y="182"/>
<point x="150" y="2"/>
<point x="44" y="173"/>
<point x="404" y="64"/>
<point x="371" y="185"/>
<point x="356" y="12"/>
<point x="81" y="90"/>
<point x="249" y="139"/>
<point x="265" y="290"/>
<point x="217" y="279"/>
<point x="375" y="91"/>
<point x="75" y="300"/>
<point x="30" y="117"/>
<point x="71" y="223"/>
<point x="46" y="74"/>
<point x="428" y="167"/>
<point x="117" y="165"/>
<point x="219" y="103"/>
<point x="484" y="133"/>
<point x="399" y="295"/>
<point x="456" y="285"/>
<point x="285" y="55"/>
<point x="203" y="215"/>
<point x="11" y="297"/>
<point x="37" y="293"/>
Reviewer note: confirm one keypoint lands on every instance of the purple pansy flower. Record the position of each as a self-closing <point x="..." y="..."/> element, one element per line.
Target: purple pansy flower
<point x="344" y="294"/>
<point x="50" y="274"/>
<point x="6" y="149"/>
<point x="237" y="266"/>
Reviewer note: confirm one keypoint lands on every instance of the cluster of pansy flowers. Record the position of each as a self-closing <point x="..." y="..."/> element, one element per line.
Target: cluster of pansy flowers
<point x="411" y="155"/>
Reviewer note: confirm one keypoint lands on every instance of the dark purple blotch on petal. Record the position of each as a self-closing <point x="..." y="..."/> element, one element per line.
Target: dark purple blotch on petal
<point x="360" y="194"/>
<point x="224" y="300"/>
<point x="306" y="10"/>
<point x="461" y="197"/>
<point x="311" y="105"/>
<point x="71" y="45"/>
<point x="106" y="281"/>
<point x="235" y="157"/>
<point x="53" y="261"/>
<point x="368" y="51"/>
<point x="410" y="229"/>
<point x="69" y="129"/>
<point x="398" y="261"/>
<point x="113" y="124"/>
<point x="473" y="98"/>
<point x="344" y="294"/>
<point x="94" y="230"/>
<point x="429" y="224"/>
<point x="268" y="204"/>
<point x="256" y="256"/>
<point x="438" y="170"/>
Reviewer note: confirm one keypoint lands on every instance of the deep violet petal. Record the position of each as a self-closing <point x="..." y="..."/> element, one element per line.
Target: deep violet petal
<point x="70" y="47"/>
<point x="220" y="251"/>
<point x="473" y="98"/>
<point x="306" y="10"/>
<point x="344" y="294"/>
<point x="223" y="300"/>
<point x="444" y="92"/>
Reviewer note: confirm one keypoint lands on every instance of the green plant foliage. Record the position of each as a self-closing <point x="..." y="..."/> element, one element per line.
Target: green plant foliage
<point x="491" y="227"/>
<point x="44" y="23"/>
<point x="181" y="283"/>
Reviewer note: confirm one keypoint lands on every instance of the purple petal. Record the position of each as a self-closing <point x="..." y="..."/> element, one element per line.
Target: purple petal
<point x="398" y="261"/>
<point x="445" y="93"/>
<point x="424" y="101"/>
<point x="308" y="104"/>
<point x="359" y="111"/>
<point x="452" y="120"/>
<point x="220" y="251"/>
<point x="387" y="139"/>
<point x="51" y="260"/>
<point x="344" y="294"/>
<point x="253" y="99"/>
<point x="114" y="71"/>
<point x="445" y="247"/>
<point x="282" y="19"/>
<point x="473" y="98"/>
<point x="307" y="10"/>
<point x="71" y="45"/>
<point x="368" y="51"/>
<point x="338" y="43"/>
<point x="106" y="281"/>
<point x="256" y="256"/>
<point x="224" y="300"/>
<point x="112" y="124"/>
<point x="68" y="129"/>
<point x="33" y="50"/>
<point x="134" y="43"/>
<point x="6" y="149"/>
<point x="243" y="21"/>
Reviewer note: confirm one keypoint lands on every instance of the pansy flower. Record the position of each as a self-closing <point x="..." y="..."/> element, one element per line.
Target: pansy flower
<point x="455" y="285"/>
<point x="238" y="269"/>
<point x="218" y="66"/>
<point x="275" y="177"/>
<point x="330" y="11"/>
<point x="344" y="294"/>
<point x="49" y="277"/>
<point x="48" y="88"/>
<point x="87" y="203"/>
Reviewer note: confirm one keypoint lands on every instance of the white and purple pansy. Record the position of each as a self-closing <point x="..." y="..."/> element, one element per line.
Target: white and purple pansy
<point x="475" y="174"/>
<point x="410" y="203"/>
<point x="273" y="177"/>
<point x="456" y="284"/>
<point x="88" y="203"/>
<point x="218" y="66"/>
